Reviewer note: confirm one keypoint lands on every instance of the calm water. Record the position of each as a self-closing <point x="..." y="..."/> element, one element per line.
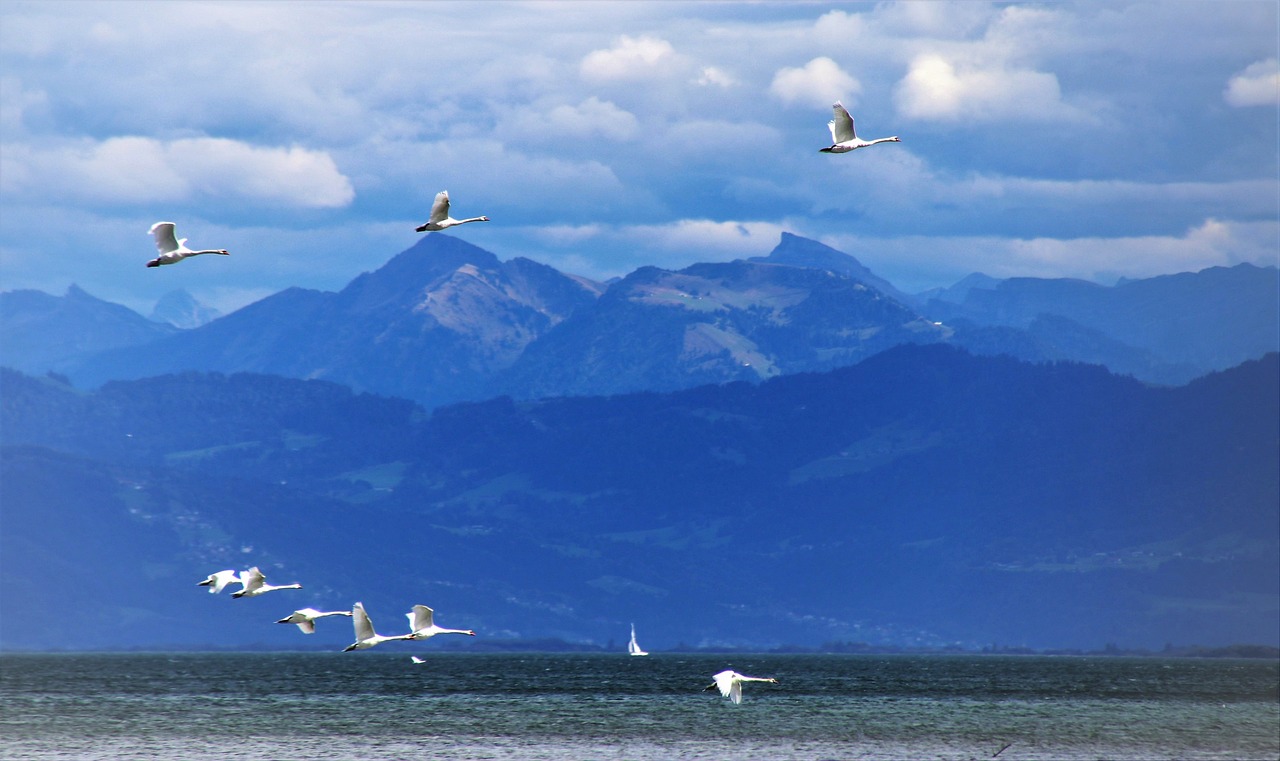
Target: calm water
<point x="379" y="705"/>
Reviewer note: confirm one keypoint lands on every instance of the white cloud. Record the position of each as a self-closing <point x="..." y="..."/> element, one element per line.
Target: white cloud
<point x="590" y="118"/>
<point x="631" y="57"/>
<point x="917" y="262"/>
<point x="821" y="79"/>
<point x="711" y="75"/>
<point x="1257" y="85"/>
<point x="146" y="170"/>
<point x="935" y="88"/>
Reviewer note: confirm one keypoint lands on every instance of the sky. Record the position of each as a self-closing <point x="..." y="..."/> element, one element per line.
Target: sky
<point x="1093" y="140"/>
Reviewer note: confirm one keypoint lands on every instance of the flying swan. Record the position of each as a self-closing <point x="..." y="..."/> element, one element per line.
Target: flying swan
<point x="173" y="250"/>
<point x="366" y="637"/>
<point x="216" y="582"/>
<point x="730" y="684"/>
<point x="255" y="584"/>
<point x="440" y="219"/>
<point x="423" y="627"/>
<point x="843" y="136"/>
<point x="306" y="618"/>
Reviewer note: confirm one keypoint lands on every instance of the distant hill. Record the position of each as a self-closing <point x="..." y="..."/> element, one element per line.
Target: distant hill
<point x="710" y="323"/>
<point x="924" y="496"/>
<point x="432" y="324"/>
<point x="1167" y="329"/>
<point x="40" y="332"/>
<point x="181" y="310"/>
<point x="446" y="321"/>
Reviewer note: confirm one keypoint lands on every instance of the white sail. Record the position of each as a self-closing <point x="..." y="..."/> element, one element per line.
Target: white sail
<point x="633" y="647"/>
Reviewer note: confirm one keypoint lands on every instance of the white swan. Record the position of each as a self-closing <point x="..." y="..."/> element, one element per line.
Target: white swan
<point x="423" y="627"/>
<point x="306" y="618"/>
<point x="417" y="660"/>
<point x="843" y="136"/>
<point x="216" y="582"/>
<point x="730" y="684"/>
<point x="255" y="583"/>
<point x="440" y="219"/>
<point x="366" y="637"/>
<point x="173" y="250"/>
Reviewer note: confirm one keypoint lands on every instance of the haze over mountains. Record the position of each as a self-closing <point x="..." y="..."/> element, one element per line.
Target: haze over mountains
<point x="445" y="321"/>
<point x="784" y="450"/>
<point x="922" y="497"/>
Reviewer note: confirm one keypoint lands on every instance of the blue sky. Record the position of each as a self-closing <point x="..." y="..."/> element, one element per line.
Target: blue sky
<point x="1075" y="139"/>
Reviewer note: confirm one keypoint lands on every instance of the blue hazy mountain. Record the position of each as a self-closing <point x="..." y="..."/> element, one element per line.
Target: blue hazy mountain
<point x="40" y="332"/>
<point x="714" y="323"/>
<point x="182" y="310"/>
<point x="446" y="321"/>
<point x="924" y="496"/>
<point x="1166" y="329"/>
<point x="433" y="324"/>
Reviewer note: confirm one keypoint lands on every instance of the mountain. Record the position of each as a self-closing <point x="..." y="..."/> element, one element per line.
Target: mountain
<point x="1165" y="329"/>
<point x="40" y="332"/>
<point x="794" y="251"/>
<point x="924" y="496"/>
<point x="181" y="310"/>
<point x="711" y="323"/>
<point x="446" y="321"/>
<point x="432" y="324"/>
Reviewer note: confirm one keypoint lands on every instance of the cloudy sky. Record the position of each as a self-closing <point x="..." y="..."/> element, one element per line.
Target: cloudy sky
<point x="1072" y="139"/>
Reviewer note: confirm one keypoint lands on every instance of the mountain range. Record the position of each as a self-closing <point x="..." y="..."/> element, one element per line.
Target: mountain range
<point x="785" y="449"/>
<point x="445" y="321"/>
<point x="922" y="497"/>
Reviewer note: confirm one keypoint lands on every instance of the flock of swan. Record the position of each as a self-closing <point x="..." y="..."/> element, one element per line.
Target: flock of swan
<point x="844" y="138"/>
<point x="253" y="584"/>
<point x="421" y="624"/>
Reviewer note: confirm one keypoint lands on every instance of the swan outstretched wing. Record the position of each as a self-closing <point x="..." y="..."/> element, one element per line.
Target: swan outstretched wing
<point x="726" y="684"/>
<point x="440" y="208"/>
<point x="842" y="125"/>
<point x="360" y="619"/>
<point x="252" y="579"/>
<point x="164" y="235"/>
<point x="420" y="618"/>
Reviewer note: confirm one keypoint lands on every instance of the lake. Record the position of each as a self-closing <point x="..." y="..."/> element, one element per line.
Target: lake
<point x="380" y="705"/>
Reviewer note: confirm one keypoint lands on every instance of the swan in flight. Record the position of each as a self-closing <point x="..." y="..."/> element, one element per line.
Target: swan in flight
<point x="420" y="620"/>
<point x="440" y="219"/>
<point x="730" y="684"/>
<point x="416" y="659"/>
<point x="173" y="250"/>
<point x="216" y="582"/>
<point x="366" y="637"/>
<point x="255" y="584"/>
<point x="843" y="136"/>
<point x="306" y="618"/>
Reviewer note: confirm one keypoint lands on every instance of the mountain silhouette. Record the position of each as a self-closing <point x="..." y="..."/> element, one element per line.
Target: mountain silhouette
<point x="446" y="321"/>
<point x="923" y="496"/>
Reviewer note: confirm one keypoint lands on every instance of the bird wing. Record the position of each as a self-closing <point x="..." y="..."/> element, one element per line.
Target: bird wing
<point x="360" y="619"/>
<point x="252" y="579"/>
<point x="725" y="682"/>
<point x="420" y="618"/>
<point x="307" y="626"/>
<point x="735" y="692"/>
<point x="842" y="125"/>
<point x="165" y="238"/>
<point x="440" y="208"/>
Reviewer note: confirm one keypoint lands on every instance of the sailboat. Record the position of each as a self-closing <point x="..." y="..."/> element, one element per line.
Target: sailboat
<point x="633" y="647"/>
